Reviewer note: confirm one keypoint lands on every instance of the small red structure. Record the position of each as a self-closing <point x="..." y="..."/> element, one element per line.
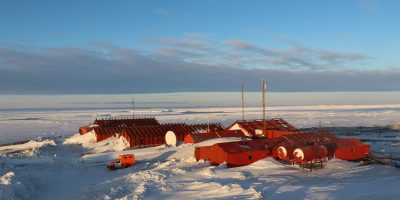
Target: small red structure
<point x="85" y="129"/>
<point x="200" y="137"/>
<point x="234" y="154"/>
<point x="255" y="128"/>
<point x="123" y="161"/>
<point x="351" y="149"/>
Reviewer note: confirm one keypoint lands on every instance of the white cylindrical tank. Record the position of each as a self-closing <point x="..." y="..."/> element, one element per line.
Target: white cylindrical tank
<point x="285" y="152"/>
<point x="310" y="153"/>
<point x="170" y="138"/>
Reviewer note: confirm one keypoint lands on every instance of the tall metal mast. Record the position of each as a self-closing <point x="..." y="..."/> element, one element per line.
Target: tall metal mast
<point x="133" y="107"/>
<point x="264" y="88"/>
<point x="242" y="102"/>
<point x="208" y="119"/>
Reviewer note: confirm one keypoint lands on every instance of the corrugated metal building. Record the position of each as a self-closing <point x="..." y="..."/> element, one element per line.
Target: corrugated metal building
<point x="141" y="136"/>
<point x="103" y="133"/>
<point x="113" y="122"/>
<point x="351" y="149"/>
<point x="200" y="137"/>
<point x="234" y="154"/>
<point x="302" y="148"/>
<point x="255" y="128"/>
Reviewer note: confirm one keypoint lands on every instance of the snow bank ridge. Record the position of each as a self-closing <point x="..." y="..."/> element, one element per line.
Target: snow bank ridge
<point x="29" y="146"/>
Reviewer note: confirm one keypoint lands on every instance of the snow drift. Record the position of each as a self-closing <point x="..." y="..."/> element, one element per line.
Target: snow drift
<point x="27" y="148"/>
<point x="88" y="141"/>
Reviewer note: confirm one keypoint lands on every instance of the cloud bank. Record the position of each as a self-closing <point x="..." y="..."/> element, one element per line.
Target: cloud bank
<point x="189" y="64"/>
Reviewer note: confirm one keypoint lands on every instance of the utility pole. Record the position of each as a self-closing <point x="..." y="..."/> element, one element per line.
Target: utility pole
<point x="242" y="102"/>
<point x="264" y="89"/>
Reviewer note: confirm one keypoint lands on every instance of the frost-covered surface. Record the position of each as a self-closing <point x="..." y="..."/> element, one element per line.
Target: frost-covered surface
<point x="74" y="168"/>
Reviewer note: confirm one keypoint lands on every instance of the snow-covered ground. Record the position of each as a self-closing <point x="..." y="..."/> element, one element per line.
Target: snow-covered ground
<point x="70" y="171"/>
<point x="16" y="126"/>
<point x="62" y="165"/>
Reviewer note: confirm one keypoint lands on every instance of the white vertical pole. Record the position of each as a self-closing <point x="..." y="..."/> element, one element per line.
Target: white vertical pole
<point x="264" y="88"/>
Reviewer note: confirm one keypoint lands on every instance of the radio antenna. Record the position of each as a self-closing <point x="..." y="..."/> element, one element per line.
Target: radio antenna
<point x="133" y="107"/>
<point x="242" y="102"/>
<point x="264" y="89"/>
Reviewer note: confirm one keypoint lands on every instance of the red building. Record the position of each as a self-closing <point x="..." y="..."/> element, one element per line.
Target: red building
<point x="351" y="149"/>
<point x="113" y="122"/>
<point x="85" y="129"/>
<point x="200" y="137"/>
<point x="181" y="130"/>
<point x="141" y="136"/>
<point x="255" y="128"/>
<point x="305" y="149"/>
<point x="234" y="154"/>
<point x="103" y="133"/>
<point x="119" y="122"/>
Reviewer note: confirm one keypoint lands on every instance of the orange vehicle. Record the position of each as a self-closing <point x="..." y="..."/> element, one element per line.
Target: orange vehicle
<point x="123" y="161"/>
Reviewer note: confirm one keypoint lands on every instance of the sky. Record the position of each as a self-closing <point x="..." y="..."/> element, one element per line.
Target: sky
<point x="109" y="47"/>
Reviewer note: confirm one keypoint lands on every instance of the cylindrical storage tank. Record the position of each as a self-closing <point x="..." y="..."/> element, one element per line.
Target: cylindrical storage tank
<point x="310" y="153"/>
<point x="285" y="152"/>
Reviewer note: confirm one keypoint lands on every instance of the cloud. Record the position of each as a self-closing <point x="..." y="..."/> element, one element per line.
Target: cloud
<point x="298" y="56"/>
<point x="194" y="63"/>
<point x="194" y="45"/>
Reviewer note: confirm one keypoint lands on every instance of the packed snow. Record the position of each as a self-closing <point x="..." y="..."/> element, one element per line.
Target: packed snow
<point x="28" y="147"/>
<point x="65" y="165"/>
<point x="88" y="140"/>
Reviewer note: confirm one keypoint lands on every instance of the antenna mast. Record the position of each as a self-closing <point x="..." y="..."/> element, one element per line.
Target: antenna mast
<point x="133" y="107"/>
<point x="208" y="119"/>
<point x="264" y="88"/>
<point x="242" y="102"/>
